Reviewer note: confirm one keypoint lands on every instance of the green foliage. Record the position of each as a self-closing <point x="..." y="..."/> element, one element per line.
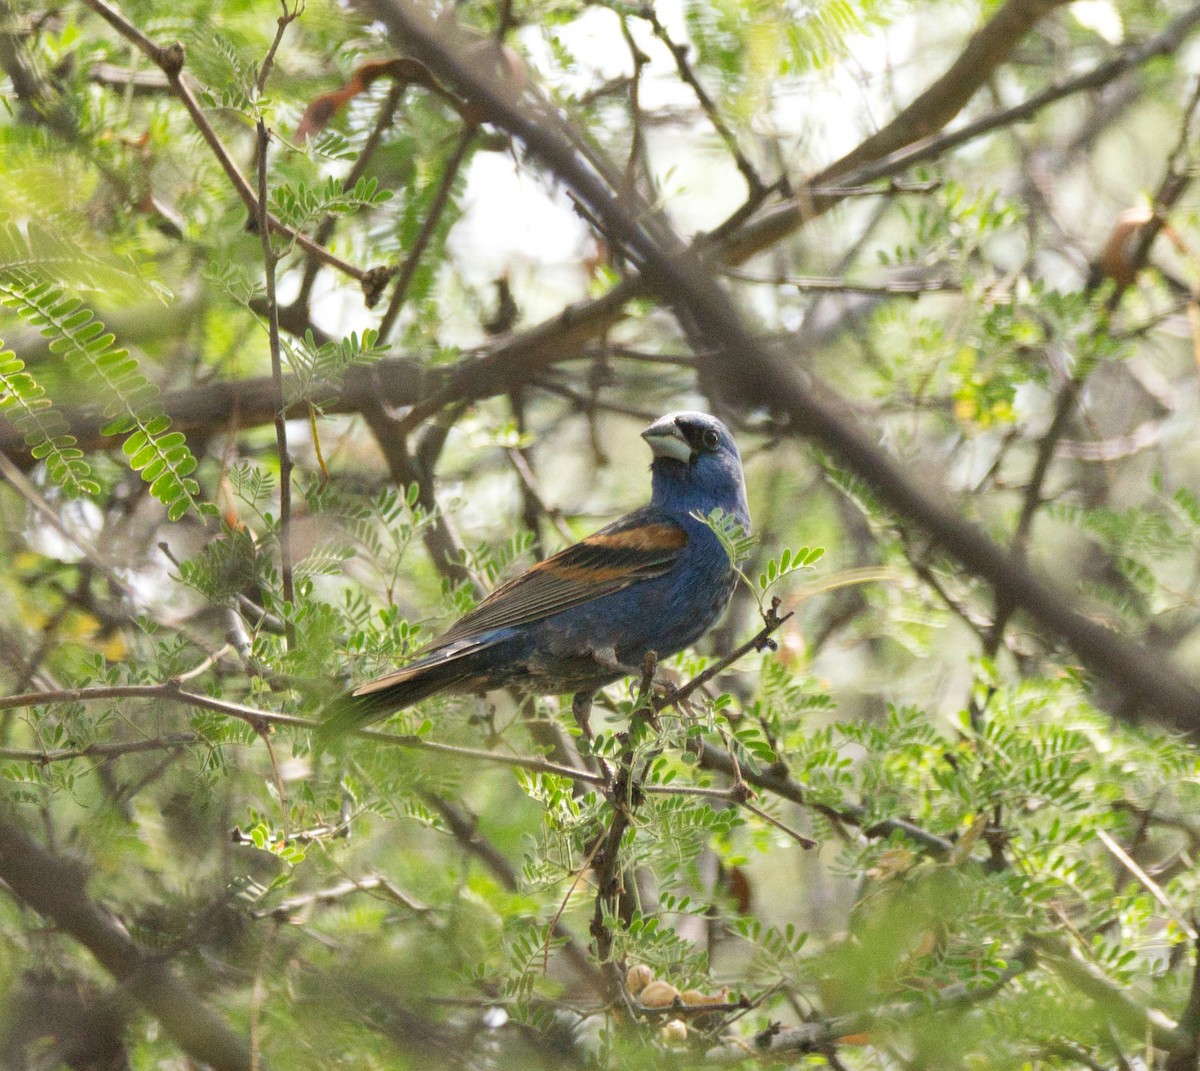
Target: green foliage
<point x="736" y="543"/>
<point x="788" y="562"/>
<point x="130" y="400"/>
<point x="314" y="366"/>
<point x="298" y="205"/>
<point x="24" y="401"/>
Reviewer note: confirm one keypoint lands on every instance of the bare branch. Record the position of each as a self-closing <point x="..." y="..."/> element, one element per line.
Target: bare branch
<point x="947" y="96"/>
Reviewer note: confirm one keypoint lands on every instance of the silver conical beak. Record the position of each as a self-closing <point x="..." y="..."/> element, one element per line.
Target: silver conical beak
<point x="666" y="440"/>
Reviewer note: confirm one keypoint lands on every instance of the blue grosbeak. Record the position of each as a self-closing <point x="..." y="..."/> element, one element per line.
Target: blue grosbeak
<point x="657" y="579"/>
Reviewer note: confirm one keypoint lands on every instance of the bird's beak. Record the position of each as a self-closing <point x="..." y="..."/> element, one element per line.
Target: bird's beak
<point x="666" y="440"/>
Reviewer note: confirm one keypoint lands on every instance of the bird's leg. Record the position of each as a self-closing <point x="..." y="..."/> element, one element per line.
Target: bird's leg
<point x="485" y="715"/>
<point x="581" y="707"/>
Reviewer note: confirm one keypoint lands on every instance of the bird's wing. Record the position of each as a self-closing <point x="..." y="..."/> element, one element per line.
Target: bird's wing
<point x="641" y="546"/>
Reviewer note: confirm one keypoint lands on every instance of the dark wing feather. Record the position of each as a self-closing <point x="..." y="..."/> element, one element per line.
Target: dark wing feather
<point x="638" y="547"/>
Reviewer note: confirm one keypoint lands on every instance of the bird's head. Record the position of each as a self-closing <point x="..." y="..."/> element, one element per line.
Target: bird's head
<point x="696" y="465"/>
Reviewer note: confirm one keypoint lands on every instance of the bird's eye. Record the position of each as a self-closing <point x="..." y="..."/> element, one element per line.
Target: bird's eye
<point x="710" y="439"/>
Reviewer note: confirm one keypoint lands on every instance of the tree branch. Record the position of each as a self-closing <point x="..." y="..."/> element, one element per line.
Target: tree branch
<point x="945" y="98"/>
<point x="813" y="1037"/>
<point x="782" y="220"/>
<point x="270" y="260"/>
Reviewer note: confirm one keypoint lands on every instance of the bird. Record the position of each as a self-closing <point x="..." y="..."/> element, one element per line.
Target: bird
<point x="655" y="580"/>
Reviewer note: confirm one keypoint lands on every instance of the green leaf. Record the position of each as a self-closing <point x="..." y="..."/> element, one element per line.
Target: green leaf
<point x="129" y="400"/>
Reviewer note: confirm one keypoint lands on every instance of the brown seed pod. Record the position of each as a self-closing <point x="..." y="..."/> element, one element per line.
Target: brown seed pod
<point x="693" y="998"/>
<point x="637" y="978"/>
<point x="658" y="994"/>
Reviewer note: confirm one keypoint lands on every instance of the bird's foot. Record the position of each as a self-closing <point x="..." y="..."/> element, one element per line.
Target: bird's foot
<point x="485" y="715"/>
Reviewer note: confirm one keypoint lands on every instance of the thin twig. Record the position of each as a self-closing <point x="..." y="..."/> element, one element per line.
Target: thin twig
<point x="260" y="719"/>
<point x="637" y="139"/>
<point x="775" y="779"/>
<point x="759" y="642"/>
<point x="806" y="843"/>
<point x="735" y="794"/>
<point x="429" y="226"/>
<point x="387" y="114"/>
<point x="679" y="53"/>
<point x="270" y="259"/>
<point x="897" y="287"/>
<point x="520" y="465"/>
<point x="1151" y="886"/>
<point x="170" y="742"/>
<point x="372" y="883"/>
<point x="281" y="25"/>
<point x="202" y="667"/>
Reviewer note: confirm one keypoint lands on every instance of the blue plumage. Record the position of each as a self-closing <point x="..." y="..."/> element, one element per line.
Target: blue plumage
<point x="657" y="579"/>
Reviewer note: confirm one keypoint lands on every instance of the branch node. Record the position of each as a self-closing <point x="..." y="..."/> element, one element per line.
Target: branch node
<point x="170" y="59"/>
<point x="740" y="792"/>
<point x="374" y="281"/>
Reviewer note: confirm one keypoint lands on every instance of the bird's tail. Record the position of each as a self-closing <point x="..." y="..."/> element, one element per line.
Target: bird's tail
<point x="383" y="696"/>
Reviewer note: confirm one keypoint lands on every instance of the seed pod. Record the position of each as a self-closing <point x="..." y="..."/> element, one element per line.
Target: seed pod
<point x="658" y="994"/>
<point x="637" y="978"/>
<point x="673" y="1031"/>
<point x="693" y="998"/>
